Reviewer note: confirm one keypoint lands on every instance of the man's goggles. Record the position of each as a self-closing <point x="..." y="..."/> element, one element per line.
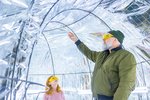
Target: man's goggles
<point x="107" y="36"/>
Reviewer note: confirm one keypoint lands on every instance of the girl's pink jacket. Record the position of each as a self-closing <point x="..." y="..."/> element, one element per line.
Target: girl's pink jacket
<point x="54" y="96"/>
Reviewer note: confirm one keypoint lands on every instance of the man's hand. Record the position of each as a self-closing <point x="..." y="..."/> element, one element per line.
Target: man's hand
<point x="72" y="36"/>
<point x="97" y="34"/>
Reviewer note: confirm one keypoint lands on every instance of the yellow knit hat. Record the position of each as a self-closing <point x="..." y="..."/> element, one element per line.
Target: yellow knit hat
<point x="117" y="34"/>
<point x="53" y="78"/>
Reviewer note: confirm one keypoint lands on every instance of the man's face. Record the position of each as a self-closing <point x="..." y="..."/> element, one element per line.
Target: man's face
<point x="108" y="43"/>
<point x="109" y="40"/>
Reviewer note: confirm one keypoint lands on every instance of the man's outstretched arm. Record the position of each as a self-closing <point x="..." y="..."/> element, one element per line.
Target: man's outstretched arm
<point x="92" y="55"/>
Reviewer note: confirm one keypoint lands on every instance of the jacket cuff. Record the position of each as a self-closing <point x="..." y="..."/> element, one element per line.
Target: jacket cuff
<point x="78" y="42"/>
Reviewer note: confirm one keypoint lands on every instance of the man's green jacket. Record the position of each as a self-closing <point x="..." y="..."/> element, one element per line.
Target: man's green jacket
<point x="114" y="72"/>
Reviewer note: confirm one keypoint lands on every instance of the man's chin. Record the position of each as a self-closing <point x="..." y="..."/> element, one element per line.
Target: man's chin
<point x="106" y="48"/>
<point x="103" y="49"/>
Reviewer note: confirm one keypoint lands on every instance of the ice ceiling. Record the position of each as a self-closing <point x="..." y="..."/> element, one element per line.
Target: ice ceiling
<point x="34" y="44"/>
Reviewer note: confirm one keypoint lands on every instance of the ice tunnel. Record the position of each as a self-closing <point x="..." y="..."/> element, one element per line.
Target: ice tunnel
<point x="34" y="44"/>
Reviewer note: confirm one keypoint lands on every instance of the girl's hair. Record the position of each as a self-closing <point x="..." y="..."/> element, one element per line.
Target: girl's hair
<point x="49" y="89"/>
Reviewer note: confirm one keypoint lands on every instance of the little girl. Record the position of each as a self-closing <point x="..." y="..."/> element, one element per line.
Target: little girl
<point x="53" y="91"/>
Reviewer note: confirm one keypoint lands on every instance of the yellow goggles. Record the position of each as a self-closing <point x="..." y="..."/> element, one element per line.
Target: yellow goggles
<point x="107" y="36"/>
<point x="53" y="78"/>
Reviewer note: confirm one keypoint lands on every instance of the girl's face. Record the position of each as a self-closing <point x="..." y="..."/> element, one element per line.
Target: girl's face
<point x="54" y="84"/>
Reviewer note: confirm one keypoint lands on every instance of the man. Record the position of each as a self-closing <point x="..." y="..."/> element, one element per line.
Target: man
<point x="114" y="73"/>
